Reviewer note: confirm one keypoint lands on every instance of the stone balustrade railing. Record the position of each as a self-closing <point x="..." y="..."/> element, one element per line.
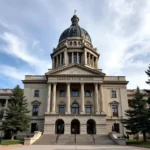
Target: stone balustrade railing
<point x="35" y="77"/>
<point x="112" y="78"/>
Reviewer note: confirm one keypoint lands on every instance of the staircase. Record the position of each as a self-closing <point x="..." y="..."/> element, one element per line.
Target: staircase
<point x="70" y="140"/>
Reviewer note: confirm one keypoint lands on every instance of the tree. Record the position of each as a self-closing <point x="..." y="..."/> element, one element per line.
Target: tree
<point x="16" y="118"/>
<point x="137" y="115"/>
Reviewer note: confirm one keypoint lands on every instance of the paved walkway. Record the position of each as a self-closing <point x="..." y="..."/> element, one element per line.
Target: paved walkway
<point x="69" y="147"/>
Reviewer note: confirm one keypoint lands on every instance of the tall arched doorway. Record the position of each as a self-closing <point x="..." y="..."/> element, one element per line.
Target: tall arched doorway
<point x="59" y="126"/>
<point x="75" y="126"/>
<point x="91" y="127"/>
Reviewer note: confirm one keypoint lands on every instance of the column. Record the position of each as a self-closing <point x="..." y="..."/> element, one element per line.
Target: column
<point x="54" y="99"/>
<point x="92" y="61"/>
<point x="96" y="63"/>
<point x="60" y="58"/>
<point x="77" y="58"/>
<point x="85" y="57"/>
<point x="101" y="99"/>
<point x="53" y="64"/>
<point x="57" y="61"/>
<point x="65" y="57"/>
<point x="82" y="99"/>
<point x="49" y="98"/>
<point x="89" y="59"/>
<point x="72" y="57"/>
<point x="68" y="99"/>
<point x="96" y="99"/>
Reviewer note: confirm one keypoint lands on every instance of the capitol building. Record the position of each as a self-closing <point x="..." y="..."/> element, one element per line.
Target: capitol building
<point x="74" y="96"/>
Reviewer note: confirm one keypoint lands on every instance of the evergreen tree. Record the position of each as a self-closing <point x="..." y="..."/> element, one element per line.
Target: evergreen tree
<point x="137" y="115"/>
<point x="16" y="118"/>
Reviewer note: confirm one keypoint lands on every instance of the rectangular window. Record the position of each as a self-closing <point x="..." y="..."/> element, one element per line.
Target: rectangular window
<point x="116" y="127"/>
<point x="113" y="94"/>
<point x="88" y="109"/>
<point x="36" y="93"/>
<point x="75" y="93"/>
<point x="70" y="58"/>
<point x="115" y="110"/>
<point x="88" y="94"/>
<point x="62" y="93"/>
<point x="35" y="110"/>
<point x="61" y="109"/>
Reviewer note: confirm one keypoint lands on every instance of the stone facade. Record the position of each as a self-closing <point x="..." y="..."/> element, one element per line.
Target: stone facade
<point x="75" y="94"/>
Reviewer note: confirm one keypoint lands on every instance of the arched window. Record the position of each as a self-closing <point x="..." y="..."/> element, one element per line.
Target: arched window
<point x="75" y="108"/>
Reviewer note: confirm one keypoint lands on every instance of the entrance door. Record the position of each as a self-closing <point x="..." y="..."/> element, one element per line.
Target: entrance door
<point x="33" y="127"/>
<point x="75" y="127"/>
<point x="59" y="126"/>
<point x="91" y="129"/>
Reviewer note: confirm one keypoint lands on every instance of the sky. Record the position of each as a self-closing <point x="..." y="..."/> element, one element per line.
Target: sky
<point x="119" y="29"/>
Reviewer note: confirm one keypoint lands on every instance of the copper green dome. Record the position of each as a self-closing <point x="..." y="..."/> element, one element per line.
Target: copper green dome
<point x="75" y="31"/>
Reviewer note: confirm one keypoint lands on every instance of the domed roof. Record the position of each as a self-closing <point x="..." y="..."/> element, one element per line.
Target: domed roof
<point x="75" y="31"/>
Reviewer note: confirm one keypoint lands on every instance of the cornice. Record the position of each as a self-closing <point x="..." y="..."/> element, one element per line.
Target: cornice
<point x="115" y="82"/>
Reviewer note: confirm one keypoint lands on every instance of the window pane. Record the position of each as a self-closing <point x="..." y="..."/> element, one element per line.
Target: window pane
<point x="87" y="94"/>
<point x="88" y="109"/>
<point x="75" y="93"/>
<point x="113" y="94"/>
<point x="62" y="109"/>
<point x="62" y="93"/>
<point x="36" y="93"/>
<point x="115" y="110"/>
<point x="79" y="58"/>
<point x="35" y="110"/>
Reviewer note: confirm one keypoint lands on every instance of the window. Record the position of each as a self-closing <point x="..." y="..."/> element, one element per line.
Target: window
<point x="35" y="110"/>
<point x="70" y="58"/>
<point x="88" y="109"/>
<point x="75" y="57"/>
<point x="75" y="108"/>
<point x="75" y="93"/>
<point x="36" y="93"/>
<point x="62" y="93"/>
<point x="113" y="94"/>
<point x="116" y="127"/>
<point x="115" y="110"/>
<point x="3" y="103"/>
<point x="88" y="94"/>
<point x="61" y="109"/>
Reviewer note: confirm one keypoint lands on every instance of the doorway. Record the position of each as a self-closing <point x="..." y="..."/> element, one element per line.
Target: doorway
<point x="75" y="127"/>
<point x="91" y="127"/>
<point x="59" y="126"/>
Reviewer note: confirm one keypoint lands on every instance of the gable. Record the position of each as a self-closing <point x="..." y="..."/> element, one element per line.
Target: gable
<point x="75" y="71"/>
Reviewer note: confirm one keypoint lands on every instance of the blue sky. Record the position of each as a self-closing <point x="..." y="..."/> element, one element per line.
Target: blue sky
<point x="29" y="30"/>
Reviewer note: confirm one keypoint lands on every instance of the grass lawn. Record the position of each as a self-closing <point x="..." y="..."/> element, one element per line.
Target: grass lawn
<point x="11" y="142"/>
<point x="140" y="143"/>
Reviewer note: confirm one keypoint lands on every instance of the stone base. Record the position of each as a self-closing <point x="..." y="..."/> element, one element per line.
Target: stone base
<point x="68" y="113"/>
<point x="53" y="112"/>
<point x="97" y="113"/>
<point x="47" y="113"/>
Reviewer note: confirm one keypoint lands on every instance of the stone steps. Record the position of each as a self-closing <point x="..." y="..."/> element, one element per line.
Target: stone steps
<point x="70" y="140"/>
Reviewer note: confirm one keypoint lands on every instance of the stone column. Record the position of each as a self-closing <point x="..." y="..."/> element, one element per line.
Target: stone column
<point x="68" y="99"/>
<point x="101" y="99"/>
<point x="96" y="99"/>
<point x="49" y="98"/>
<point x="92" y="61"/>
<point x="54" y="99"/>
<point x="82" y="99"/>
<point x="53" y="65"/>
<point x="77" y="58"/>
<point x="65" y="57"/>
<point x="72" y="57"/>
<point x="96" y="63"/>
<point x="89" y="60"/>
<point x="57" y="61"/>
<point x="60" y="59"/>
<point x="85" y="57"/>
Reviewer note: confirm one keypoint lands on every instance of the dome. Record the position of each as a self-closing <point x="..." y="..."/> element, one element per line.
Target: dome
<point x="75" y="31"/>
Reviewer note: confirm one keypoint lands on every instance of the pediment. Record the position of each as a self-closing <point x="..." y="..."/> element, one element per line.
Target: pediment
<point x="36" y="102"/>
<point x="75" y="70"/>
<point x="114" y="102"/>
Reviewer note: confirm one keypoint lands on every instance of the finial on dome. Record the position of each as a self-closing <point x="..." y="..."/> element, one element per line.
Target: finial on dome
<point x="75" y="19"/>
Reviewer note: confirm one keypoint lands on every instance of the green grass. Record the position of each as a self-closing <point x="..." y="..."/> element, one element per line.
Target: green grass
<point x="11" y="142"/>
<point x="141" y="143"/>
